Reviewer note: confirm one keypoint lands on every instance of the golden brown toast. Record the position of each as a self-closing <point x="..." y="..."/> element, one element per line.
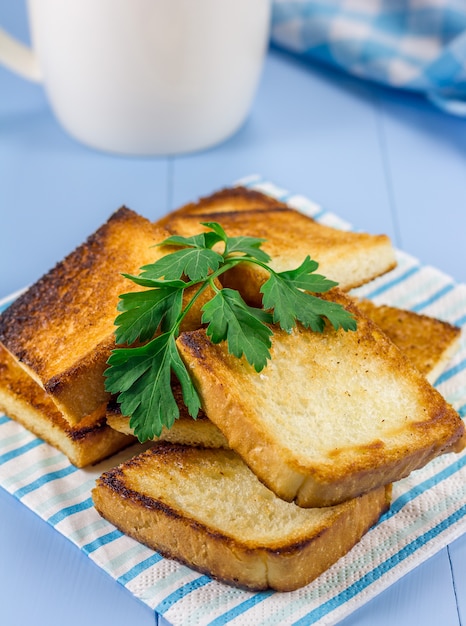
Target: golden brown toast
<point x="349" y="258"/>
<point x="345" y="414"/>
<point x="226" y="201"/>
<point x="428" y="342"/>
<point x="61" y="329"/>
<point x="206" y="509"/>
<point x="22" y="399"/>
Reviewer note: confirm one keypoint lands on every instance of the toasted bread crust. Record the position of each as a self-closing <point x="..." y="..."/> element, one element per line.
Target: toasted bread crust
<point x="386" y="420"/>
<point x="429" y="343"/>
<point x="130" y="498"/>
<point x="347" y="257"/>
<point x="61" y="330"/>
<point x="55" y="302"/>
<point x="227" y="200"/>
<point x="24" y="401"/>
<point x="186" y="430"/>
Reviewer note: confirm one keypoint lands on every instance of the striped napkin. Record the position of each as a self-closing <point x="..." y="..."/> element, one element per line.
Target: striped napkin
<point x="417" y="45"/>
<point x="428" y="511"/>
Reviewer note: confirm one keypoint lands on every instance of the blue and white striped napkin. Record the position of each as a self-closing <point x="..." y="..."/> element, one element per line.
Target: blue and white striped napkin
<point x="417" y="45"/>
<point x="428" y="511"/>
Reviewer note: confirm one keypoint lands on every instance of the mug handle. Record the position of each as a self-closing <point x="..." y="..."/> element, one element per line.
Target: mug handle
<point x="19" y="58"/>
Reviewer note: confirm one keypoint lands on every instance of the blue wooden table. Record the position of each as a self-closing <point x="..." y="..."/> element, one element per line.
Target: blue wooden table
<point x="384" y="161"/>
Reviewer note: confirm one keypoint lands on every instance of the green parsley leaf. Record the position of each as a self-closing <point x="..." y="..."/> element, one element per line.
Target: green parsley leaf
<point x="303" y="277"/>
<point x="230" y="318"/>
<point x="203" y="240"/>
<point x="144" y="312"/>
<point x="249" y="246"/>
<point x="142" y="378"/>
<point x="195" y="263"/>
<point x="290" y="304"/>
<point x="155" y="282"/>
<point x="141" y="375"/>
<point x="218" y="233"/>
<point x="336" y="314"/>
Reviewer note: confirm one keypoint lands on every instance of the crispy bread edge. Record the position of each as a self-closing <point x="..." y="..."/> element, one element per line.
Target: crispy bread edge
<point x="26" y="403"/>
<point x="318" y="486"/>
<point x="228" y="559"/>
<point x="227" y="199"/>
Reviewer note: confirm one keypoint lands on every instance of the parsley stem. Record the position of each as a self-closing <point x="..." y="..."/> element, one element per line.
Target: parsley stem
<point x="184" y="312"/>
<point x="142" y="375"/>
<point x="210" y="281"/>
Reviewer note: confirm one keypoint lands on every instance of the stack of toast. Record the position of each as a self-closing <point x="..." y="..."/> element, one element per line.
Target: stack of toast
<point x="284" y="470"/>
<point x="56" y="338"/>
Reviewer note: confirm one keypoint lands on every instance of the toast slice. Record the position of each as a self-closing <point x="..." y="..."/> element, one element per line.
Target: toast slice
<point x="22" y="399"/>
<point x="61" y="329"/>
<point x="186" y="430"/>
<point x="206" y="509"/>
<point x="428" y="342"/>
<point x="349" y="258"/>
<point x="228" y="200"/>
<point x="345" y="415"/>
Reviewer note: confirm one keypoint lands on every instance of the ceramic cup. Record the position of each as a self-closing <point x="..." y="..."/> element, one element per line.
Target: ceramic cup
<point x="145" y="77"/>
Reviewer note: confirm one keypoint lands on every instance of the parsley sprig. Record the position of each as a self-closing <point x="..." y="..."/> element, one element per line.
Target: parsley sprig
<point x="141" y="375"/>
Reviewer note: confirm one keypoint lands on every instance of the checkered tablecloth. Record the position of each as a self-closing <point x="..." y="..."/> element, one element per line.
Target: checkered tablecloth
<point x="417" y="45"/>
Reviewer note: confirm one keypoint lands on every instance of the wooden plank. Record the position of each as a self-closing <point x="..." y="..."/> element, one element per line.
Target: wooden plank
<point x="55" y="192"/>
<point x="424" y="596"/>
<point x="385" y="162"/>
<point x="457" y="553"/>
<point x="45" y="579"/>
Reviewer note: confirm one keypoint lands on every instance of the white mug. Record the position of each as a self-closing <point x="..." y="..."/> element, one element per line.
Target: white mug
<point x="145" y="77"/>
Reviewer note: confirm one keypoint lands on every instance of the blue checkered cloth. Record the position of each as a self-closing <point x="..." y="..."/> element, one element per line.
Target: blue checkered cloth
<point x="416" y="45"/>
